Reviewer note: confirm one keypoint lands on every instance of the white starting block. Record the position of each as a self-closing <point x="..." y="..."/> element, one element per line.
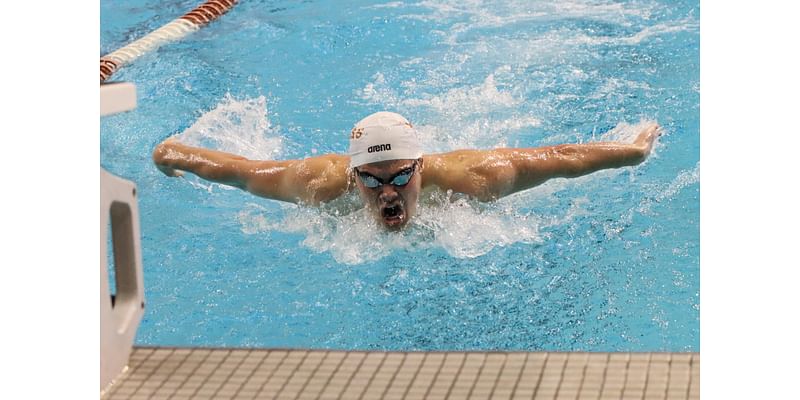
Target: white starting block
<point x="120" y="313"/>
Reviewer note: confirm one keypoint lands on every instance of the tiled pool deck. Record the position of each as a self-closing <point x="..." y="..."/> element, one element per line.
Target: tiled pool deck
<point x="221" y="373"/>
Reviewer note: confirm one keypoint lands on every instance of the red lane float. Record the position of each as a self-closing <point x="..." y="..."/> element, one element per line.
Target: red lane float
<point x="177" y="29"/>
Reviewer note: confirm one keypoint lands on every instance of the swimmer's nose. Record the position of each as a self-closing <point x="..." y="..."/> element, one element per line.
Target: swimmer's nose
<point x="388" y="194"/>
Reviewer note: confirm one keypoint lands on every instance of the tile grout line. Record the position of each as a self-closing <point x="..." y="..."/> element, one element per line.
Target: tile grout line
<point x="155" y="367"/>
<point x="372" y="376"/>
<point x="115" y="383"/>
<point x="130" y="373"/>
<point x="669" y="376"/>
<point x="689" y="386"/>
<point x="289" y="378"/>
<point x="353" y="374"/>
<point x="172" y="373"/>
<point x="647" y="375"/>
<point x="328" y="381"/>
<point x="519" y="375"/>
<point x="433" y="381"/>
<point x="477" y="376"/>
<point x="605" y="376"/>
<point x="197" y="389"/>
<point x="130" y="364"/>
<point x="460" y="367"/>
<point x="627" y="368"/>
<point x="394" y="376"/>
<point x="252" y="373"/>
<point x="541" y="374"/>
<point x="112" y="387"/>
<point x="200" y="364"/>
<point x="583" y="378"/>
<point x="150" y="375"/>
<point x="561" y="377"/>
<point x="314" y="372"/>
<point x="499" y="374"/>
<point x="588" y="362"/>
<point x="271" y="373"/>
<point x="222" y="385"/>
<point x="430" y="384"/>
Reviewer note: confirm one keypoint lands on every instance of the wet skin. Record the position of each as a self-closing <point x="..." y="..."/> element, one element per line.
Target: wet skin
<point x="485" y="175"/>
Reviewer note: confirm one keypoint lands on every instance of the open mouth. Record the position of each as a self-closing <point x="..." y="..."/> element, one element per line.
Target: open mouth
<point x="393" y="215"/>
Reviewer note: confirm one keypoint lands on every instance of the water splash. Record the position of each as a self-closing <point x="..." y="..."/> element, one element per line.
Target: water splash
<point x="667" y="192"/>
<point x="462" y="227"/>
<point x="476" y="99"/>
<point x="461" y="116"/>
<point x="478" y="16"/>
<point x="235" y="126"/>
<point x="625" y="132"/>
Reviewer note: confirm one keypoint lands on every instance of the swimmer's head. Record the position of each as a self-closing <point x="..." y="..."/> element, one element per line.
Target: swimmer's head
<point x="383" y="136"/>
<point x="386" y="159"/>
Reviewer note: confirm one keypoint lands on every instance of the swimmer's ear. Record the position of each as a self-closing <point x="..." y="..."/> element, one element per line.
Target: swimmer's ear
<point x="419" y="160"/>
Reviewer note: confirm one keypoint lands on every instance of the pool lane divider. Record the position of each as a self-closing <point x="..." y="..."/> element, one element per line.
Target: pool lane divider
<point x="175" y="30"/>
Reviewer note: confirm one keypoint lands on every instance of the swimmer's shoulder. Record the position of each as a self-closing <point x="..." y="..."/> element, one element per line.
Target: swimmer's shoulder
<point x="451" y="170"/>
<point x="338" y="162"/>
<point x="436" y="164"/>
<point x="485" y="175"/>
<point x="326" y="177"/>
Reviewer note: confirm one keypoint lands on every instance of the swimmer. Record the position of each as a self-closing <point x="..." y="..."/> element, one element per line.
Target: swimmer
<point x="387" y="167"/>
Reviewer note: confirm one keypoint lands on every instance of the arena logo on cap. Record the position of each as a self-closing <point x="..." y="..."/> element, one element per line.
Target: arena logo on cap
<point x="379" y="147"/>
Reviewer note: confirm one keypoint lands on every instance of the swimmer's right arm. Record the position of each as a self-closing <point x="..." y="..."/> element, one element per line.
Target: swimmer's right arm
<point x="310" y="181"/>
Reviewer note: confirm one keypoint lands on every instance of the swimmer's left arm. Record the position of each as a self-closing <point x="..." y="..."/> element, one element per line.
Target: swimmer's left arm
<point x="532" y="167"/>
<point x="491" y="174"/>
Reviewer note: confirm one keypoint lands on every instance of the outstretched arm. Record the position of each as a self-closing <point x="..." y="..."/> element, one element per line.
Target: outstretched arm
<point x="491" y="174"/>
<point x="311" y="180"/>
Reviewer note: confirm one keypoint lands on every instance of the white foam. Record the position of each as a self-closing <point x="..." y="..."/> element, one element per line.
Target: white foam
<point x="235" y="126"/>
<point x="522" y="11"/>
<point x="461" y="116"/>
<point x="615" y="86"/>
<point x="379" y="92"/>
<point x="658" y="194"/>
<point x="683" y="180"/>
<point x="392" y="4"/>
<point x="462" y="228"/>
<point x="483" y="132"/>
<point x="512" y="12"/>
<point x="470" y="99"/>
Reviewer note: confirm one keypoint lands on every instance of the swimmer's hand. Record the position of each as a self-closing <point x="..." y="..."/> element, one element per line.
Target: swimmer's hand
<point x="161" y="158"/>
<point x="647" y="138"/>
<point x="171" y="172"/>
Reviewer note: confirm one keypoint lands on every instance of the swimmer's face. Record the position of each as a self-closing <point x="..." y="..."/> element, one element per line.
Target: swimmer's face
<point x="391" y="190"/>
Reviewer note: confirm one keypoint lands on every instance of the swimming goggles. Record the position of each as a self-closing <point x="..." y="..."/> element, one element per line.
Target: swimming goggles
<point x="400" y="179"/>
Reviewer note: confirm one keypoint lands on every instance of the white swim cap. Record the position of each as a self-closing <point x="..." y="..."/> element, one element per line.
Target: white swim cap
<point x="383" y="136"/>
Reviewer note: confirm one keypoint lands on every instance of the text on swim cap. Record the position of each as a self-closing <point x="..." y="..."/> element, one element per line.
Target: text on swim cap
<point x="379" y="147"/>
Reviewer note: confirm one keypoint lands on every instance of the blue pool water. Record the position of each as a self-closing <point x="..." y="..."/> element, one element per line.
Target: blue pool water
<point x="605" y="262"/>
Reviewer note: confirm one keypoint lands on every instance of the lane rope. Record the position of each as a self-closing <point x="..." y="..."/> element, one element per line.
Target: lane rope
<point x="175" y="30"/>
